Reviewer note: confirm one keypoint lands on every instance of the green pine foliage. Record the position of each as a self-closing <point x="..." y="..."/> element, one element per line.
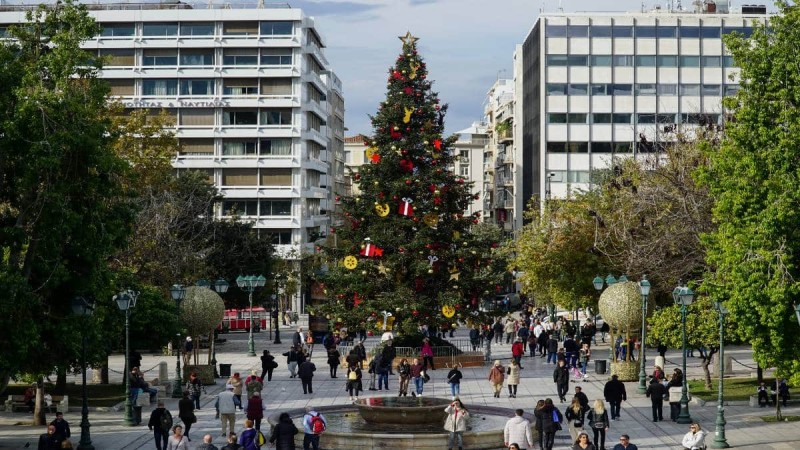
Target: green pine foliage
<point x="426" y="255"/>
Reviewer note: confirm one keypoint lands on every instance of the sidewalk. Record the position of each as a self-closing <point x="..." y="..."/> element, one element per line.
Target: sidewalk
<point x="744" y="429"/>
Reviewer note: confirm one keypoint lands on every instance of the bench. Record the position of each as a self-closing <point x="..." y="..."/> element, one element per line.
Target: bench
<point x="16" y="403"/>
<point x="754" y="401"/>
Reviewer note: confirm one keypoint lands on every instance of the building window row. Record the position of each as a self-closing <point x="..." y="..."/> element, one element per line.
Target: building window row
<point x="644" y="31"/>
<point x="204" y="87"/>
<point x="256" y="178"/>
<point x="627" y="118"/>
<point x="571" y="176"/>
<point x="236" y="147"/>
<point x="248" y="207"/>
<point x="198" y="29"/>
<point x="561" y="60"/>
<point x="197" y="58"/>
<point x="643" y="89"/>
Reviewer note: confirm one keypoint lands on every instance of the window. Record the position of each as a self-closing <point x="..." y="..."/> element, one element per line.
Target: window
<point x="577" y="89"/>
<point x="690" y="61"/>
<point x="555" y="31"/>
<point x="601" y="60"/>
<point x="314" y="149"/>
<point x="238" y="148"/>
<point x="727" y="61"/>
<point x="690" y="32"/>
<point x="667" y="89"/>
<point x="159" y="87"/>
<point x="646" y="61"/>
<point x="239" y="177"/>
<point x="159" y="29"/>
<point x="282" y="116"/>
<point x="690" y="89"/>
<point x="276" y="177"/>
<point x="189" y="29"/>
<point x="576" y="118"/>
<point x="312" y="206"/>
<point x="746" y="32"/>
<point x="601" y="147"/>
<point x="557" y="118"/>
<point x="623" y="60"/>
<point x="645" y="89"/>
<point x="556" y="89"/>
<point x="463" y="155"/>
<point x="621" y="119"/>
<point x="667" y="61"/>
<point x="578" y="147"/>
<point x="623" y="31"/>
<point x="276" y="56"/>
<point x="200" y="57"/>
<point x="578" y="60"/>
<point x="278" y="207"/>
<point x="117" y="30"/>
<point x="578" y="31"/>
<point x="118" y="57"/>
<point x="622" y="89"/>
<point x="281" y="86"/>
<point x="240" y="208"/>
<point x="314" y="94"/>
<point x="711" y="61"/>
<point x="646" y="118"/>
<point x="197" y="147"/>
<point x="648" y="31"/>
<point x="240" y="57"/>
<point x="463" y="170"/>
<point x="601" y="118"/>
<point x="240" y="28"/>
<point x="600" y="31"/>
<point x="710" y="89"/>
<point x="600" y="89"/>
<point x="278" y="237"/>
<point x="314" y="122"/>
<point x="241" y="117"/>
<point x="197" y="117"/>
<point x="121" y="87"/>
<point x="557" y="60"/>
<point x="556" y="147"/>
<point x="276" y="28"/>
<point x="731" y="90"/>
<point x="579" y="176"/>
<point x="710" y="32"/>
<point x="622" y="147"/>
<point x="276" y="147"/>
<point x="699" y="119"/>
<point x="160" y="57"/>
<point x="666" y="32"/>
<point x="240" y="87"/>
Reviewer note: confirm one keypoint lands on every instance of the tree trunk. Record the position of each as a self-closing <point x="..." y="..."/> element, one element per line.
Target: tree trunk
<point x="778" y="413"/>
<point x="61" y="381"/>
<point x="39" y="417"/>
<point x="210" y="347"/>
<point x="104" y="373"/>
<point x="706" y="361"/>
<point x="759" y="373"/>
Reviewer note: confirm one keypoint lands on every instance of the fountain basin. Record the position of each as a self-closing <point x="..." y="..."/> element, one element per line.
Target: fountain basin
<point x="403" y="410"/>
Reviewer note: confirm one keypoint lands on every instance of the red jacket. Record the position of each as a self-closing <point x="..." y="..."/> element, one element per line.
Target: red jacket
<point x="517" y="349"/>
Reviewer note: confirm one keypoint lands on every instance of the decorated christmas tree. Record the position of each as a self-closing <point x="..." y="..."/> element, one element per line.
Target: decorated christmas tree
<point x="405" y="244"/>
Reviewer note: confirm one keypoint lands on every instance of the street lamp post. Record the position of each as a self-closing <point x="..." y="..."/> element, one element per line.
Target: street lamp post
<point x="221" y="287"/>
<point x="683" y="296"/>
<point x="644" y="288"/>
<point x="249" y="284"/>
<point x="126" y="301"/>
<point x="598" y="285"/>
<point x="84" y="308"/>
<point x="719" y="435"/>
<point x="178" y="293"/>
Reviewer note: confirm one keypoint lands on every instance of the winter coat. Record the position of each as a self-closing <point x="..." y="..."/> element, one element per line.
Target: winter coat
<point x="306" y="370"/>
<point x="656" y="391"/>
<point x="545" y="418"/>
<point x="354" y="384"/>
<point x="416" y="369"/>
<point x="255" y="408"/>
<point x="236" y="382"/>
<point x="614" y="390"/>
<point x="517" y="349"/>
<point x="576" y="417"/>
<point x="254" y="386"/>
<point x="283" y="435"/>
<point x="518" y="429"/>
<point x="513" y="374"/>
<point x="596" y="419"/>
<point x="333" y="357"/>
<point x="497" y="374"/>
<point x="694" y="440"/>
<point x="552" y="345"/>
<point x="268" y="362"/>
<point x="225" y="403"/>
<point x="561" y="375"/>
<point x="456" y="419"/>
<point x="426" y="350"/>
<point x="509" y="327"/>
<point x="454" y="376"/>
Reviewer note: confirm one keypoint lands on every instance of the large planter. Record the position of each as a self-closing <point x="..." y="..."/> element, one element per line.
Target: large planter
<point x="204" y="371"/>
<point x="625" y="370"/>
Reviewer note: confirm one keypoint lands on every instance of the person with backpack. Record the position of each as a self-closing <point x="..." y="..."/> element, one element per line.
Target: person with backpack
<point x="314" y="424"/>
<point x="283" y="433"/>
<point x="160" y="424"/>
<point x="454" y="379"/>
<point x="353" y="385"/>
<point x="251" y="438"/>
<point x="598" y="422"/>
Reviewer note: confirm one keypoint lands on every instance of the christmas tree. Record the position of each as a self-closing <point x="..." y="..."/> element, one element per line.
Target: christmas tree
<point x="405" y="245"/>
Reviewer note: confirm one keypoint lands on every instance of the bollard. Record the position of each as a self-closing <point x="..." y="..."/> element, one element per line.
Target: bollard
<point x="97" y="375"/>
<point x="163" y="373"/>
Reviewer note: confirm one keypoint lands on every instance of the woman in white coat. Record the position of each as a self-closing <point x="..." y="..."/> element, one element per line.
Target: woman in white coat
<point x="513" y="378"/>
<point x="695" y="439"/>
<point x="456" y="423"/>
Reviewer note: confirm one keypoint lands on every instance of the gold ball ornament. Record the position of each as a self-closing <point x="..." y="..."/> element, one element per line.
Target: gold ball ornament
<point x="370" y="152"/>
<point x="350" y="262"/>
<point x="621" y="306"/>
<point x="437" y="192"/>
<point x="363" y="272"/>
<point x="431" y="219"/>
<point x="430" y="270"/>
<point x="448" y="311"/>
<point x="382" y="209"/>
<point x="396" y="128"/>
<point x="376" y="182"/>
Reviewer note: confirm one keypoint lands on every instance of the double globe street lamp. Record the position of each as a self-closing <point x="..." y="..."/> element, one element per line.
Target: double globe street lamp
<point x="249" y="284"/>
<point x="126" y="301"/>
<point x="719" y="435"/>
<point x="83" y="307"/>
<point x="683" y="296"/>
<point x="178" y="293"/>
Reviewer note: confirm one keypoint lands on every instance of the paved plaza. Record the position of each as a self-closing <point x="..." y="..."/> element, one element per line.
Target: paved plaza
<point x="744" y="430"/>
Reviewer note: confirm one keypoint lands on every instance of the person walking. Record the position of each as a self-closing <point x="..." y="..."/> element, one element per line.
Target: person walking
<point x="306" y="374"/>
<point x="456" y="423"/>
<point x="575" y="415"/>
<point x="513" y="378"/>
<point x="160" y="424"/>
<point x="49" y="441"/>
<point x="253" y="384"/>
<point x="538" y="422"/>
<point x="249" y="437"/>
<point x="333" y="360"/>
<point x="186" y="413"/>
<point x="236" y="382"/>
<point x="598" y="421"/>
<point x="550" y="419"/>
<point x="382" y="366"/>
<point x="674" y="392"/>
<point x="188" y="348"/>
<point x="353" y="384"/>
<point x="298" y="338"/>
<point x="291" y="360"/>
<point x="283" y="433"/>
<point x="232" y="444"/>
<point x="454" y="380"/>
<point x="695" y="439"/>
<point x="517" y="431"/>
<point x="510" y="329"/>
<point x="552" y="348"/>
<point x="404" y="375"/>
<point x="656" y="392"/>
<point x="625" y="443"/>
<point x="195" y="387"/>
<point x="255" y="409"/>
<point x="389" y="353"/>
<point x="62" y="427"/>
<point x="561" y="379"/>
<point x="427" y="354"/>
<point x="207" y="443"/>
<point x="314" y="424"/>
<point x="268" y="364"/>
<point x="496" y="377"/>
<point x="226" y="410"/>
<point x="517" y="351"/>
<point x="416" y="377"/>
<point x="522" y="334"/>
<point x="614" y="393"/>
<point x="582" y="442"/>
<point x="474" y="338"/>
<point x="584" y="355"/>
<point x="177" y="441"/>
<point x="582" y="398"/>
<point x="498" y="331"/>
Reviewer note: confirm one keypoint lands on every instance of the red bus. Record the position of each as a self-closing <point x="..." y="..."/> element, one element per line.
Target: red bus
<point x="239" y="320"/>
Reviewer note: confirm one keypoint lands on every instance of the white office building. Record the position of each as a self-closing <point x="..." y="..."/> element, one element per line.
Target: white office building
<point x="599" y="86"/>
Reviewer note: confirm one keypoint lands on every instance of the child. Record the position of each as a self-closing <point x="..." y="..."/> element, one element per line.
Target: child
<point x="763" y="395"/>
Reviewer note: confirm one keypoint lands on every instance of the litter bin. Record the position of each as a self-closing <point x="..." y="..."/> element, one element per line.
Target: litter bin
<point x="137" y="415"/>
<point x="224" y="370"/>
<point x="600" y="366"/>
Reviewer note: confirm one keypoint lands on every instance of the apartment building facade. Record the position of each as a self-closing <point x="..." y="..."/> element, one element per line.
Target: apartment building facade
<point x="595" y="87"/>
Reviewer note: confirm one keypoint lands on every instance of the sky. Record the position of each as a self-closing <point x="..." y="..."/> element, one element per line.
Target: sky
<point x="467" y="45"/>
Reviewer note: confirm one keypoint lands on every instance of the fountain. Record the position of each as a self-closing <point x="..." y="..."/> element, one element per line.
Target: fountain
<point x="403" y="423"/>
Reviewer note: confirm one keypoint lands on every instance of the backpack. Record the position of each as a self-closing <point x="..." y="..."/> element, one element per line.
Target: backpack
<point x="555" y="416"/>
<point x="260" y="439"/>
<point x="317" y="424"/>
<point x="166" y="421"/>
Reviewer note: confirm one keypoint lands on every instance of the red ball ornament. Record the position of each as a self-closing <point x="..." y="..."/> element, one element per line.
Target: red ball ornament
<point x="475" y="221"/>
<point x="432" y="187"/>
<point x="437" y="107"/>
<point x="338" y="199"/>
<point x="408" y="182"/>
<point x="460" y="181"/>
<point x="357" y="176"/>
<point x="416" y="219"/>
<point x="401" y="250"/>
<point x="408" y="128"/>
<point x="404" y="152"/>
<point x="395" y="198"/>
<point x="415" y="313"/>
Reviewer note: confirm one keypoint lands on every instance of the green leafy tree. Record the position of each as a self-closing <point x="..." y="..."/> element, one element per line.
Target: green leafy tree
<point x="753" y="178"/>
<point x="406" y="245"/>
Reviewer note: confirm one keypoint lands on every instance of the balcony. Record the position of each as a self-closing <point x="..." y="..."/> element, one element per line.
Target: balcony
<point x="505" y="135"/>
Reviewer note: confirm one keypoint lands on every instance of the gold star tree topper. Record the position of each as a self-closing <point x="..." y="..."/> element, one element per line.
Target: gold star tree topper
<point x="408" y="39"/>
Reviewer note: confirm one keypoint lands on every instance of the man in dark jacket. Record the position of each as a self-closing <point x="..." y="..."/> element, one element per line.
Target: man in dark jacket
<point x="49" y="441"/>
<point x="614" y="392"/>
<point x="474" y="338"/>
<point x="155" y="425"/>
<point x="570" y="351"/>
<point x="498" y="331"/>
<point x="582" y="398"/>
<point x="552" y="349"/>
<point x="389" y="354"/>
<point x="588" y="331"/>
<point x="561" y="378"/>
<point x="362" y="354"/>
<point x="656" y="392"/>
<point x="306" y="373"/>
<point x="62" y="427"/>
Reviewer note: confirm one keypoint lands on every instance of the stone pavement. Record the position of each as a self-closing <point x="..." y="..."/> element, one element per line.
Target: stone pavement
<point x="744" y="429"/>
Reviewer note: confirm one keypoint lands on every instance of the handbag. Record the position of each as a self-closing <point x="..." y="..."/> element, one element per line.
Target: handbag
<point x="192" y="418"/>
<point x="425" y="377"/>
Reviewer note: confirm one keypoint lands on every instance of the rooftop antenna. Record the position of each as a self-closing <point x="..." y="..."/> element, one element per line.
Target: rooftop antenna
<point x="679" y="7"/>
<point x="560" y="6"/>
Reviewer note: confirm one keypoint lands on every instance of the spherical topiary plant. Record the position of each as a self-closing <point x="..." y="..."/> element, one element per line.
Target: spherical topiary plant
<point x="621" y="307"/>
<point x="201" y="311"/>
